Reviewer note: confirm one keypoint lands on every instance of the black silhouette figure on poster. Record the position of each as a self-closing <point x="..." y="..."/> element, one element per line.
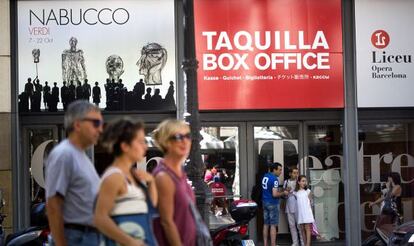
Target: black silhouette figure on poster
<point x="46" y="95"/>
<point x="72" y="92"/>
<point x="139" y="89"/>
<point x="37" y="85"/>
<point x="24" y="102"/>
<point x="134" y="98"/>
<point x="54" y="98"/>
<point x="96" y="94"/>
<point x="64" y="95"/>
<point x="122" y="98"/>
<point x="37" y="97"/>
<point x="156" y="99"/>
<point x="109" y="89"/>
<point x="117" y="99"/>
<point x="29" y="88"/>
<point x="131" y="102"/>
<point x="147" y="97"/>
<point x="152" y="61"/>
<point x="120" y="85"/>
<point x="140" y="98"/>
<point x="117" y="96"/>
<point x="86" y="90"/>
<point x="79" y="91"/>
<point x="169" y="97"/>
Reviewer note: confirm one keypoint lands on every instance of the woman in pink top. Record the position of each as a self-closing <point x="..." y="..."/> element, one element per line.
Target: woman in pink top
<point x="177" y="225"/>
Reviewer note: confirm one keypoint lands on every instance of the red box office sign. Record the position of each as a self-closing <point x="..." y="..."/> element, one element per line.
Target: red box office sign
<point x="269" y="54"/>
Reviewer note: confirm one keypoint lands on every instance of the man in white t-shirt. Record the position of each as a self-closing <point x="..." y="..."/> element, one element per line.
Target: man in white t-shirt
<point x="289" y="185"/>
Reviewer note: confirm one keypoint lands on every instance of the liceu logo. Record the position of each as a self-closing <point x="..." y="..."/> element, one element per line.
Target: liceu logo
<point x="380" y="39"/>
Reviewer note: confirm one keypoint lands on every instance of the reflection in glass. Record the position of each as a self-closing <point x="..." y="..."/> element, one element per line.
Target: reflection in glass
<point x="38" y="137"/>
<point x="385" y="148"/>
<point x="219" y="148"/>
<point x="324" y="162"/>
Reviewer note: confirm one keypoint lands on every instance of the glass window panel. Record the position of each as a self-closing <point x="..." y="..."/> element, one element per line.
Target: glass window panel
<point x="40" y="143"/>
<point x="385" y="148"/>
<point x="275" y="144"/>
<point x="324" y="163"/>
<point x="220" y="152"/>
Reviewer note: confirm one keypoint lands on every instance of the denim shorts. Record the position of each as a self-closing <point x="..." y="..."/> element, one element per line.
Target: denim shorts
<point x="79" y="238"/>
<point x="270" y="213"/>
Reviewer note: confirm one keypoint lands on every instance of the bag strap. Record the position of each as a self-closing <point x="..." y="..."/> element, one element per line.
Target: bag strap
<point x="113" y="170"/>
<point x="169" y="172"/>
<point x="174" y="176"/>
<point x="143" y="187"/>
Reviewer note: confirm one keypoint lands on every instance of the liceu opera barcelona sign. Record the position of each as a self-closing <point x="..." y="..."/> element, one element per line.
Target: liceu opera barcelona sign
<point x="260" y="54"/>
<point x="385" y="53"/>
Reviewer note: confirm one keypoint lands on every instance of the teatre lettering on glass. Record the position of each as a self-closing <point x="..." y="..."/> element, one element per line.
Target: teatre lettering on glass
<point x="374" y="168"/>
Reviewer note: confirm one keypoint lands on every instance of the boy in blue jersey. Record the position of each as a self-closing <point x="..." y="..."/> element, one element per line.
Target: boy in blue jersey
<point x="270" y="200"/>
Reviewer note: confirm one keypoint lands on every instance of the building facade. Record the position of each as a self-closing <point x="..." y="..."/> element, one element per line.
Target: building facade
<point x="325" y="87"/>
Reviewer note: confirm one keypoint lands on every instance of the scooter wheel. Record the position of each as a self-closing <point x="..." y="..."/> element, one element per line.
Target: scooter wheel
<point x="373" y="240"/>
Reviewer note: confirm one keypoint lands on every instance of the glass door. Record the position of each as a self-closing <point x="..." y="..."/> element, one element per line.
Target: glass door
<point x="38" y="142"/>
<point x="272" y="142"/>
<point x="224" y="173"/>
<point x="384" y="148"/>
<point x="324" y="168"/>
<point x="315" y="148"/>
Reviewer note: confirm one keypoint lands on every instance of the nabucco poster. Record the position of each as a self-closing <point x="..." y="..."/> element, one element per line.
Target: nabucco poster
<point x="117" y="54"/>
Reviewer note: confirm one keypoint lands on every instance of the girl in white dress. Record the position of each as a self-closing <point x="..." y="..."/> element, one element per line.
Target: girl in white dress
<point x="304" y="209"/>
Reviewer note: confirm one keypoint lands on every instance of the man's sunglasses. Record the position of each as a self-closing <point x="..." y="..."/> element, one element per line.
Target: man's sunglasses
<point x="95" y="122"/>
<point x="180" y="137"/>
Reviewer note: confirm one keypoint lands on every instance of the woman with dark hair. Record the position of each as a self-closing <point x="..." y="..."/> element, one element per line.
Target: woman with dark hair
<point x="121" y="191"/>
<point x="394" y="192"/>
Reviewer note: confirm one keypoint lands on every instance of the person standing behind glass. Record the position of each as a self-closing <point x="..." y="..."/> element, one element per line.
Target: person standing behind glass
<point x="71" y="179"/>
<point x="290" y="185"/>
<point x="119" y="194"/>
<point x="177" y="224"/>
<point x="394" y="193"/>
<point x="270" y="200"/>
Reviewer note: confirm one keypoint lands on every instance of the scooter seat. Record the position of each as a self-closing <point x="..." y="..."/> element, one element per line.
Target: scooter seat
<point x="19" y="233"/>
<point x="226" y="227"/>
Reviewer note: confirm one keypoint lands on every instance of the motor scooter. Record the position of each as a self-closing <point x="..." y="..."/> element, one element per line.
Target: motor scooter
<point x="37" y="234"/>
<point x="242" y="211"/>
<point x="385" y="224"/>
